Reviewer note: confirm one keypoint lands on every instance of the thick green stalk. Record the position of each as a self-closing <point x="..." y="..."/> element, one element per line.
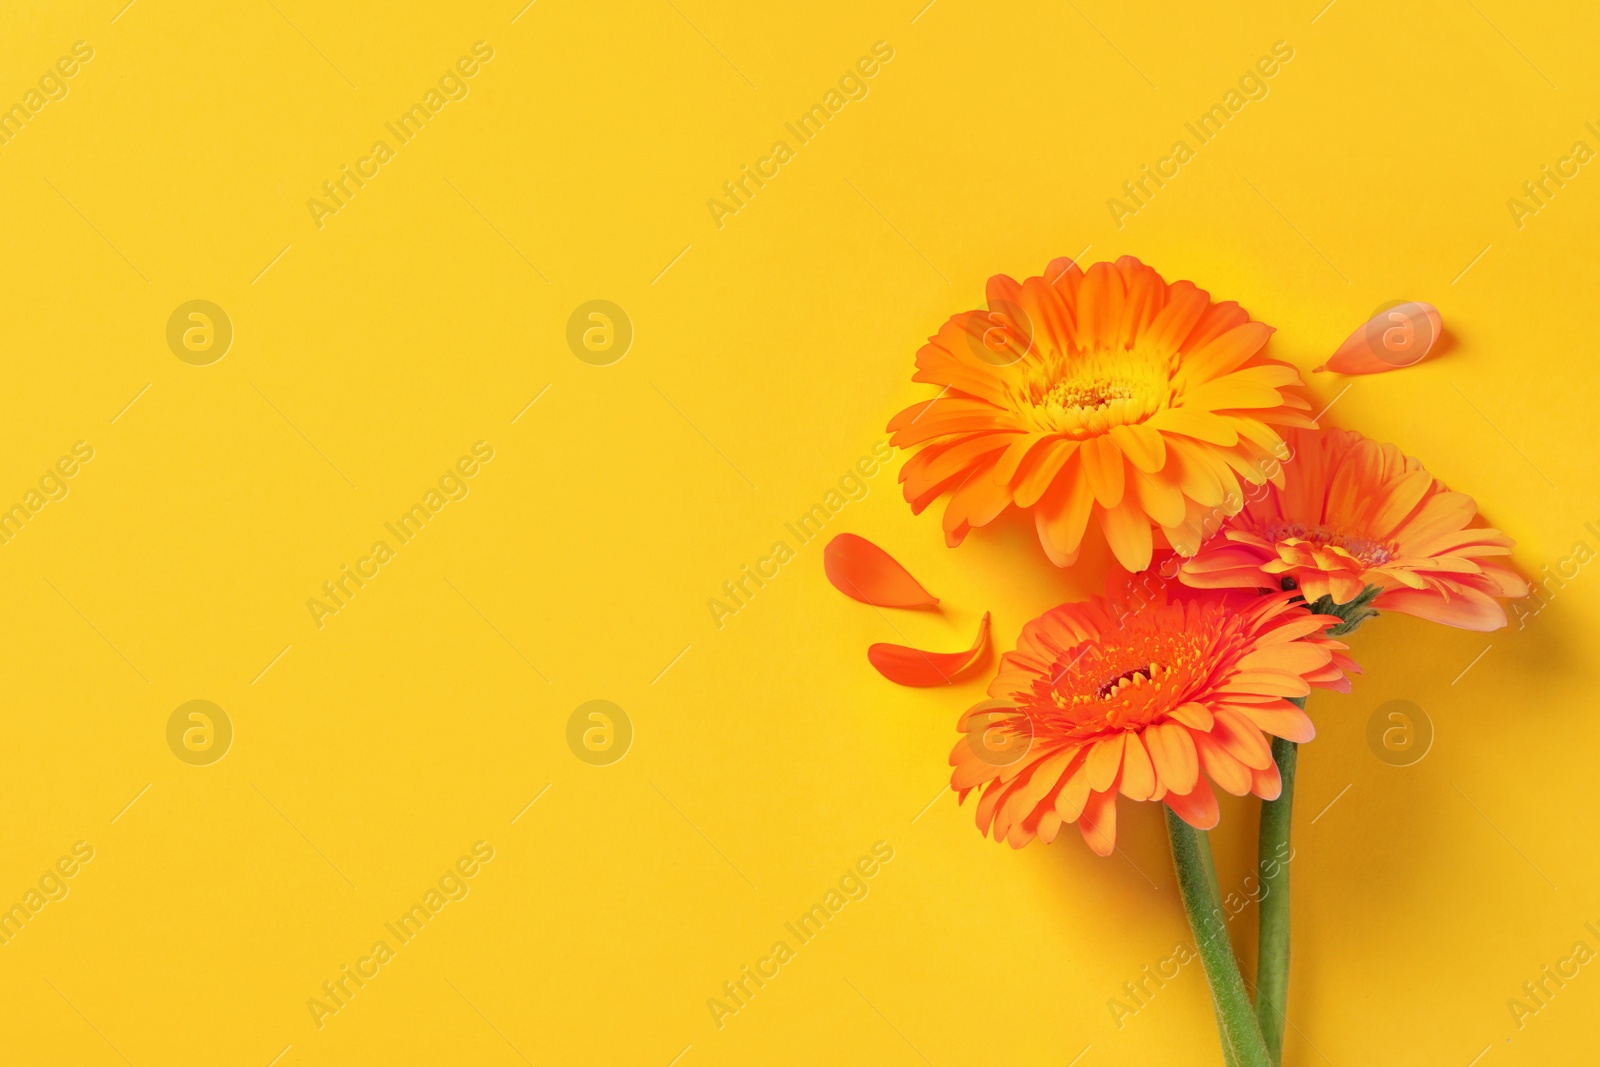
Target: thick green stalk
<point x="1274" y="852"/>
<point x="1215" y="898"/>
<point x="1272" y="967"/>
<point x="1241" y="1037"/>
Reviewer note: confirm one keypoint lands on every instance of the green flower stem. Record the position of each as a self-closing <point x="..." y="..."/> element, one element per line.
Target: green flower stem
<point x="1191" y="855"/>
<point x="1215" y="896"/>
<point x="1272" y="967"/>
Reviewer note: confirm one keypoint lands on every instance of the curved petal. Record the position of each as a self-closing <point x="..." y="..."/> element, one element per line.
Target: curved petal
<point x="1127" y="530"/>
<point x="1172" y="751"/>
<point x="1198" y="808"/>
<point x="1098" y="823"/>
<point x="914" y="667"/>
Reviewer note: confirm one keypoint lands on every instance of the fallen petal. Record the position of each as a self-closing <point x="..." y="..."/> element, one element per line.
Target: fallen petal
<point x="912" y="666"/>
<point x="860" y="569"/>
<point x="1395" y="337"/>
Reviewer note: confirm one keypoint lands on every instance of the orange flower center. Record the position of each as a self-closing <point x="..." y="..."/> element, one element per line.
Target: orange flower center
<point x="1126" y="679"/>
<point x="1369" y="551"/>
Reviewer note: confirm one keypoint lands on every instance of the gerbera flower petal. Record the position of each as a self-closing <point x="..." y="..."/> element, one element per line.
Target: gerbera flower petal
<point x="1104" y="760"/>
<point x="1395" y="337"/>
<point x="1049" y="825"/>
<point x="1062" y="517"/>
<point x="1242" y="740"/>
<point x="1281" y="719"/>
<point x="947" y="461"/>
<point x="976" y="503"/>
<point x="1005" y="468"/>
<point x="1217" y="320"/>
<point x="1221" y="766"/>
<point x="988" y="802"/>
<point x="1173" y="753"/>
<point x="1102" y="466"/>
<point x="1159" y="498"/>
<point x="861" y="570"/>
<point x="1405" y="493"/>
<point x="1198" y="423"/>
<point x="1466" y="609"/>
<point x="1127" y="531"/>
<point x="1443" y="512"/>
<point x="914" y="667"/>
<point x="1266" y="782"/>
<point x="1298" y="657"/>
<point x="1146" y="291"/>
<point x="1174" y="322"/>
<point x="1142" y="444"/>
<point x="1226" y="353"/>
<point x="1046" y="777"/>
<point x="1100" y="303"/>
<point x="1196" y="476"/>
<point x="1277" y="683"/>
<point x="944" y="409"/>
<point x="1099" y="823"/>
<point x="1074" y="791"/>
<point x="1197" y="808"/>
<point x="1231" y="392"/>
<point x="1043" y="470"/>
<point x="1138" y="773"/>
<point x="1193" y="714"/>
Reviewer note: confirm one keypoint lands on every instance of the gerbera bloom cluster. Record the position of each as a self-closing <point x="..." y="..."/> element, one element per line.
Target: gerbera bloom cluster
<point x="1107" y="401"/>
<point x="1154" y="705"/>
<point x="1115" y="405"/>
<point x="1355" y="514"/>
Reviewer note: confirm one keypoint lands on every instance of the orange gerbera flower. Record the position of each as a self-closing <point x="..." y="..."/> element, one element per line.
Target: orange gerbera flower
<point x="1105" y="394"/>
<point x="1098" y="699"/>
<point x="1354" y="513"/>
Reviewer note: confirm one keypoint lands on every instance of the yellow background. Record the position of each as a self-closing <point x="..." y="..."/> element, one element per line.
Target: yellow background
<point x="427" y="314"/>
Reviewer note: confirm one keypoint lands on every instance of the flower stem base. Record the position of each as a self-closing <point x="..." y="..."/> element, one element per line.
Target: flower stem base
<point x="1272" y="968"/>
<point x="1191" y="855"/>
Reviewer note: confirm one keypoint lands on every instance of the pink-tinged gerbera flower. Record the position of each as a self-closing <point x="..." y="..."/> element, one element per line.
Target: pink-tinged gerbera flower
<point x="1100" y="699"/>
<point x="1107" y="401"/>
<point x="1354" y="513"/>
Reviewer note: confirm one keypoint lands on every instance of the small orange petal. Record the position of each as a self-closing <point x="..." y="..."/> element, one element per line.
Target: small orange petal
<point x="861" y="570"/>
<point x="1102" y="465"/>
<point x="1099" y="823"/>
<point x="1063" y="515"/>
<point x="1198" y="808"/>
<point x="912" y="666"/>
<point x="1282" y="719"/>
<point x="1138" y="775"/>
<point x="1395" y="337"/>
<point x="1193" y="714"/>
<point x="1173" y="753"/>
<point x="1127" y="530"/>
<point x="1220" y="766"/>
<point x="1141" y="444"/>
<point x="1266" y="783"/>
<point x="1105" y="759"/>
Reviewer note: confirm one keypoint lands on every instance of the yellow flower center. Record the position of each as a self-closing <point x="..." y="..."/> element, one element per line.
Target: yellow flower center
<point x="1094" y="393"/>
<point x="1368" y="551"/>
<point x="1084" y="394"/>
